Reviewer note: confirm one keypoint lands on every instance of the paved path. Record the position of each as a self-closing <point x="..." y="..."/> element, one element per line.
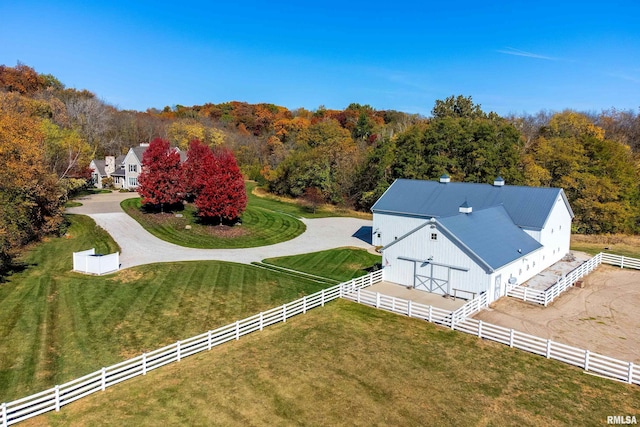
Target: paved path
<point x="141" y="247"/>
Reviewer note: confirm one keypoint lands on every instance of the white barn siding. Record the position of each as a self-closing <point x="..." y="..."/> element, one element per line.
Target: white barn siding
<point x="556" y="234"/>
<point x="391" y="227"/>
<point x="420" y="246"/>
<point x="522" y="269"/>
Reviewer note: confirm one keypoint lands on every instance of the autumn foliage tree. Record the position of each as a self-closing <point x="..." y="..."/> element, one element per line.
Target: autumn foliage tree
<point x="160" y="182"/>
<point x="223" y="196"/>
<point x="199" y="163"/>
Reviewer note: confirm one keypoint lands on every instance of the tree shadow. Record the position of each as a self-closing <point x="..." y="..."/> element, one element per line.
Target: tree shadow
<point x="162" y="208"/>
<point x="13" y="268"/>
<point x="216" y="220"/>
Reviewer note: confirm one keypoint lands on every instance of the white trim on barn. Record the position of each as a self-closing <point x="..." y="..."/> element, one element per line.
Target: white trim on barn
<point x="444" y="242"/>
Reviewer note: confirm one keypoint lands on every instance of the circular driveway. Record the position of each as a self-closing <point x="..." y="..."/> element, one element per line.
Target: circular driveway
<point x="140" y="247"/>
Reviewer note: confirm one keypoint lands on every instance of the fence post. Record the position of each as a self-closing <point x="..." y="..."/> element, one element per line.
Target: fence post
<point x="178" y="351"/>
<point x="409" y="308"/>
<point x="622" y="262"/>
<point x="430" y="313"/>
<point x="548" y="349"/>
<point x="586" y="360"/>
<point x="377" y="299"/>
<point x="480" y="329"/>
<point x="284" y="313"/>
<point x="525" y="294"/>
<point x="370" y="279"/>
<point x="511" y="338"/>
<point x="237" y="330"/>
<point x="304" y="303"/>
<point x="261" y="320"/>
<point x="630" y="379"/>
<point x="144" y="363"/>
<point x="103" y="384"/>
<point x="4" y="415"/>
<point x="341" y="292"/>
<point x="209" y="339"/>
<point x="322" y="298"/>
<point x="393" y="303"/>
<point x="57" y="390"/>
<point x="358" y="296"/>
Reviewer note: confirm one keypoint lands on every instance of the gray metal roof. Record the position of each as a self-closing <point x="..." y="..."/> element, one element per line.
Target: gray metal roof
<point x="100" y="164"/>
<point x="491" y="235"/>
<point x="528" y="207"/>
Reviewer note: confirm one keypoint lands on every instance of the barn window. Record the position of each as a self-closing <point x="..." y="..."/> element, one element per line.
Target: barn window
<point x="434" y="236"/>
<point x="559" y="227"/>
<point x="552" y="231"/>
<point x="534" y="263"/>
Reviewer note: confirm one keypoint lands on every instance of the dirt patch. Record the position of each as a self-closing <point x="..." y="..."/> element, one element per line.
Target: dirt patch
<point x="127" y="276"/>
<point x="602" y="317"/>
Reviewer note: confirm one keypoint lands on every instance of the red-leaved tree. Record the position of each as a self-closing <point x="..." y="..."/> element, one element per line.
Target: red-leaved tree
<point x="223" y="195"/>
<point x="160" y="182"/>
<point x="196" y="168"/>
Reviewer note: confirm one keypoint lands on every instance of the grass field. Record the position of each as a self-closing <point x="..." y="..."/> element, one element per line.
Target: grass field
<point x="338" y="264"/>
<point x="347" y="364"/>
<point x="56" y="325"/>
<point x="619" y="244"/>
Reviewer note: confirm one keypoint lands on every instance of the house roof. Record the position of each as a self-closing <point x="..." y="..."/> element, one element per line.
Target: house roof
<point x="488" y="236"/>
<point x="139" y="151"/>
<point x="100" y="164"/>
<point x="528" y="207"/>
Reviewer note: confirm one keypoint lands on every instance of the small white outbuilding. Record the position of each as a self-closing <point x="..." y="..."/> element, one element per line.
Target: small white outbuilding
<point x="466" y="238"/>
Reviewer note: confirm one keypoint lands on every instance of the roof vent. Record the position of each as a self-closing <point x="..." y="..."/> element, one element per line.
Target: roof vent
<point x="445" y="178"/>
<point x="465" y="208"/>
<point x="498" y="182"/>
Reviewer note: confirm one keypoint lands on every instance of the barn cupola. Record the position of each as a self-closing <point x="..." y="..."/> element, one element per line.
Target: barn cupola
<point x="498" y="182"/>
<point x="444" y="179"/>
<point x="465" y="208"/>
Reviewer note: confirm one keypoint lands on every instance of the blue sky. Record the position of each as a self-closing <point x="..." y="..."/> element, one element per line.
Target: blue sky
<point x="511" y="57"/>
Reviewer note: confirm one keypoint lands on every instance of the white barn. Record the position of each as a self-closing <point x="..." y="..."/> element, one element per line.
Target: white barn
<point x="469" y="238"/>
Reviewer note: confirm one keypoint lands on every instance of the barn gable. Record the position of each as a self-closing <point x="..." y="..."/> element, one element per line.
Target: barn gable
<point x="487" y="236"/>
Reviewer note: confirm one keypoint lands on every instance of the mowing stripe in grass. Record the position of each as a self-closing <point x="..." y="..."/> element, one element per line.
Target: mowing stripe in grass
<point x="295" y="273"/>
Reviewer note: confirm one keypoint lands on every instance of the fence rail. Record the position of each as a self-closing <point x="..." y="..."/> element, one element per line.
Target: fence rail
<point x="54" y="398"/>
<point x="565" y="282"/>
<point x="589" y="361"/>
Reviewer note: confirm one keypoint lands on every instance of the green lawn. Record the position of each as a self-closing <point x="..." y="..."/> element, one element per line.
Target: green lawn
<point x="339" y="264"/>
<point x="264" y="222"/>
<point x="347" y="364"/>
<point x="56" y="325"/>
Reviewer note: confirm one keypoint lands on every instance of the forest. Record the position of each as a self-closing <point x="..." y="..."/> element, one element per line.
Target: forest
<point x="49" y="133"/>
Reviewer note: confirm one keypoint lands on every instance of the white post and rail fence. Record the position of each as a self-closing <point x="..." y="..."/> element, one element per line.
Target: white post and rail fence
<point x="565" y="282"/>
<point x="54" y="398"/>
<point x="457" y="320"/>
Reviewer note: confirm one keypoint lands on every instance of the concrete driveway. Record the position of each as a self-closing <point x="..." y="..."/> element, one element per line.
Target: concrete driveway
<point x="140" y="247"/>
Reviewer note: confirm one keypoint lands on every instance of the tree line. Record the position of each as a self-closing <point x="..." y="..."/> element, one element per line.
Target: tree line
<point x="49" y="134"/>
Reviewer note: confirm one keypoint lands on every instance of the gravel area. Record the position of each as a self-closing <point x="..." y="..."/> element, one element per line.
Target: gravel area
<point x="140" y="247"/>
<point x="602" y="317"/>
